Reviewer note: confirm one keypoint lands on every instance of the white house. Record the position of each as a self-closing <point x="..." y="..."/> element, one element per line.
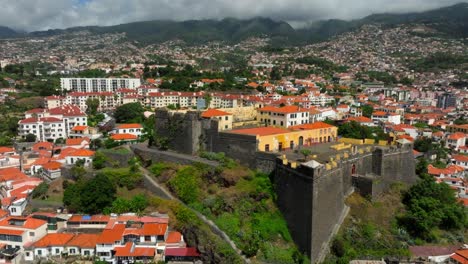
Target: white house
<point x="456" y="140"/>
<point x="80" y="154"/>
<point x="133" y="129"/>
<point x="283" y="116"/>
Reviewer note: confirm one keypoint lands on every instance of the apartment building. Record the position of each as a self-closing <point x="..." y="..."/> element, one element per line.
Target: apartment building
<point x="285" y="116"/>
<point x="98" y="84"/>
<point x="51" y="124"/>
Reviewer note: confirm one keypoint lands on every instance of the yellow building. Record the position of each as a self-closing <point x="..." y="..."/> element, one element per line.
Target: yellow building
<point x="224" y="119"/>
<point x="272" y="139"/>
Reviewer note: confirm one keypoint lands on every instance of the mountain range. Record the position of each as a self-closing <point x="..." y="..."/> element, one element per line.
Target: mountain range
<point x="449" y="21"/>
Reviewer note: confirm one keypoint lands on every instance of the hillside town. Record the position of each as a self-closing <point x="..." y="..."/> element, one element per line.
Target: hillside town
<point x="100" y="93"/>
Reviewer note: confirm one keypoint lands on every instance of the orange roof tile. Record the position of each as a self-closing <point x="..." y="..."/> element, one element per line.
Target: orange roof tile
<point x="79" y="128"/>
<point x="11" y="232"/>
<point x="76" y="141"/>
<point x="6" y="149"/>
<point x="456" y="136"/>
<point x="82" y="153"/>
<point x="56" y="239"/>
<point x="174" y="237"/>
<point x="214" y="112"/>
<point x="261" y="131"/>
<point x="53" y="165"/>
<point x="316" y="125"/>
<point x="84" y="240"/>
<point x="109" y="236"/>
<point x="29" y="222"/>
<point x="124" y="137"/>
<point x="284" y="110"/>
<point x="129" y="251"/>
<point x="126" y="126"/>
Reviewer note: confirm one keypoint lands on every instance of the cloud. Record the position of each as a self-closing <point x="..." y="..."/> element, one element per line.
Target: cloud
<point x="46" y="14"/>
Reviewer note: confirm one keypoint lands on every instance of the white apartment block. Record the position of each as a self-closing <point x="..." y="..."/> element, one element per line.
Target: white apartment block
<point x="88" y="85"/>
<point x="283" y="116"/>
<point x="51" y="124"/>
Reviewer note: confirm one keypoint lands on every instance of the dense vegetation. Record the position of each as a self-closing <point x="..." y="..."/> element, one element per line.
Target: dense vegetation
<point x="355" y="130"/>
<point x="94" y="195"/>
<point x="239" y="201"/>
<point x="432" y="206"/>
<point x="322" y="63"/>
<point x="370" y="231"/>
<point x="129" y="113"/>
<point x="440" y="61"/>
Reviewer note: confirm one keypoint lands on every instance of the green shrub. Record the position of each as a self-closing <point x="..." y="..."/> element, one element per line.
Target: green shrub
<point x="186" y="184"/>
<point x="158" y="168"/>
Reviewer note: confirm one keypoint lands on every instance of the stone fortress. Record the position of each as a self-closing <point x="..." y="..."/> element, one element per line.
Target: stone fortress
<point x="311" y="190"/>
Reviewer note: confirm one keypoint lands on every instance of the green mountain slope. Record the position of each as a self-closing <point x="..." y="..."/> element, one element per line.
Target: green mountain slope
<point x="450" y="21"/>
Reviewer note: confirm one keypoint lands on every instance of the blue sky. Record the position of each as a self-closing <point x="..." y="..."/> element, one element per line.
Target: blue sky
<point x="33" y="15"/>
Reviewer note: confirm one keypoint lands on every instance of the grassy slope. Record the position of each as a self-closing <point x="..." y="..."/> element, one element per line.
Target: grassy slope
<point x="371" y="231"/>
<point x="239" y="201"/>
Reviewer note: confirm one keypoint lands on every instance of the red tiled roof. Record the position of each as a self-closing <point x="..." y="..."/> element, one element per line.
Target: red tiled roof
<point x="124" y="137"/>
<point x="457" y="136"/>
<point x="53" y="165"/>
<point x="42" y="119"/>
<point x="67" y="110"/>
<point x="84" y="240"/>
<point x="79" y="128"/>
<point x="82" y="153"/>
<point x="11" y="232"/>
<point x="55" y="239"/>
<point x="109" y="236"/>
<point x="284" y="110"/>
<point x="174" y="237"/>
<point x="6" y="149"/>
<point x="29" y="222"/>
<point x="360" y="119"/>
<point x="181" y="252"/>
<point x="214" y="112"/>
<point x="261" y="131"/>
<point x="126" y="126"/>
<point x="461" y="158"/>
<point x="129" y="250"/>
<point x="76" y="141"/>
<point x="316" y="125"/>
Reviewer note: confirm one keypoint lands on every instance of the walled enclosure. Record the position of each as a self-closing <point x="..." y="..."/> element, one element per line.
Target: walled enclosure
<point x="312" y="200"/>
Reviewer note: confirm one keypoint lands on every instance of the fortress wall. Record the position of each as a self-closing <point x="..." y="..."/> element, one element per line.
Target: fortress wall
<point x="295" y="196"/>
<point x="329" y="192"/>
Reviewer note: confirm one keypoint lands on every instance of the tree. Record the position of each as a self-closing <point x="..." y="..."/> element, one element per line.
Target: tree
<point x="92" y="105"/>
<point x="97" y="194"/>
<point x="99" y="160"/>
<point x="421" y="166"/>
<point x="430" y="205"/>
<point x="306" y="153"/>
<point x="367" y="110"/>
<point x="423" y="144"/>
<point x="129" y="113"/>
<point x="40" y="191"/>
<point x="30" y="138"/>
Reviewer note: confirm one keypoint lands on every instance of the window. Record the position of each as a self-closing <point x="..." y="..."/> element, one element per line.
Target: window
<point x="72" y="251"/>
<point x="147" y="238"/>
<point x="226" y="118"/>
<point x="57" y="251"/>
<point x="27" y="254"/>
<point x="39" y="252"/>
<point x="32" y="234"/>
<point x="86" y="253"/>
<point x="267" y="147"/>
<point x="13" y="209"/>
<point x="226" y="127"/>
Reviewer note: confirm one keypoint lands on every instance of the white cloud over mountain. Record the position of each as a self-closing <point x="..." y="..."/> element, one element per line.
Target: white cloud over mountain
<point x="46" y="14"/>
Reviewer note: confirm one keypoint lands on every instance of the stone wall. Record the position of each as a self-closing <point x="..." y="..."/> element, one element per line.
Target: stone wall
<point x="184" y="131"/>
<point x="313" y="200"/>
